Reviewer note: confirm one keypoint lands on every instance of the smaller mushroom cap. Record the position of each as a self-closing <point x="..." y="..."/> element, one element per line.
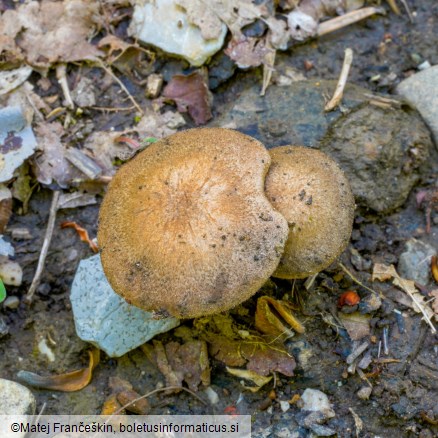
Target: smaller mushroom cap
<point x="310" y="190"/>
<point x="185" y="227"/>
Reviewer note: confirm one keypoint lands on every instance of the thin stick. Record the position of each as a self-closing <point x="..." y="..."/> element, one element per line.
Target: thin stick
<point x="122" y="86"/>
<point x="61" y="70"/>
<point x="339" y="91"/>
<point x="347" y="19"/>
<point x="406" y="6"/>
<point x="167" y="388"/>
<point x="45" y="248"/>
<point x="357" y="281"/>
<point x="111" y="109"/>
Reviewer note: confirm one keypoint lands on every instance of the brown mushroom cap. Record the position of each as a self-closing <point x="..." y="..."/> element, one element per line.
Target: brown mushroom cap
<point x="186" y="227"/>
<point x="310" y="190"/>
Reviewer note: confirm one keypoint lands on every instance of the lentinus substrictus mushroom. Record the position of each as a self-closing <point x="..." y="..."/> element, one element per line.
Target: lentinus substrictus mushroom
<point x="310" y="190"/>
<point x="186" y="229"/>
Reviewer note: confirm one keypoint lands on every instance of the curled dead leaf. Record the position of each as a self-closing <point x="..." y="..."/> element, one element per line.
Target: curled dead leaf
<point x="434" y="267"/>
<point x="271" y="315"/>
<point x="47" y="32"/>
<point x="69" y="382"/>
<point x="256" y="379"/>
<point x="127" y="397"/>
<point x="259" y="356"/>
<point x="83" y="234"/>
<point x="111" y="406"/>
<point x="183" y="362"/>
<point x="191" y="93"/>
<point x="419" y="303"/>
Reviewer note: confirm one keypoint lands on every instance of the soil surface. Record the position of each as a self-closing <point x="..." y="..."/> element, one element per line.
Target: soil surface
<point x="404" y="398"/>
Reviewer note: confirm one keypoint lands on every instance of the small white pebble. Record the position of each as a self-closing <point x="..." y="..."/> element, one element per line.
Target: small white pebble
<point x="364" y="393"/>
<point x="11" y="302"/>
<point x="284" y="405"/>
<point x="46" y="350"/>
<point x="212" y="395"/>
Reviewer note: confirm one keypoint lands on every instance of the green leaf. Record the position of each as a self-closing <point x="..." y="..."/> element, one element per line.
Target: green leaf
<point x="2" y="291"/>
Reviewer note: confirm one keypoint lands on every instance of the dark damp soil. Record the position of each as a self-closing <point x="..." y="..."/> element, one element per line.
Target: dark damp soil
<point x="404" y="399"/>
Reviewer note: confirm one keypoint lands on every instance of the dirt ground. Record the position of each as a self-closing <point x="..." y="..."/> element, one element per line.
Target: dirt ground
<point x="404" y="399"/>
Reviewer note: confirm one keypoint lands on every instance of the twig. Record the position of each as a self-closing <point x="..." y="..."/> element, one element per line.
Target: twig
<point x="167" y="388"/>
<point x="393" y="5"/>
<point x="61" y="70"/>
<point x="344" y="268"/>
<point x="113" y="109"/>
<point x="347" y="19"/>
<point x="268" y="68"/>
<point x="339" y="91"/>
<point x="385" y="341"/>
<point x="406" y="6"/>
<point x="45" y="247"/>
<point x="122" y="86"/>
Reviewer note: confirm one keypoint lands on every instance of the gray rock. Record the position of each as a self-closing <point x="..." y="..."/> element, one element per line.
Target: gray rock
<point x="6" y="249"/>
<point x="382" y="151"/>
<point x="364" y="393"/>
<point x="4" y="329"/>
<point x="15" y="399"/>
<point x="421" y="91"/>
<point x="316" y="401"/>
<point x="414" y="262"/>
<point x="11" y="302"/>
<point x="105" y="319"/>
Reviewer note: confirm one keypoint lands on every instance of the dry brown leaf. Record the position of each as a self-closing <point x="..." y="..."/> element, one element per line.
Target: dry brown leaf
<point x="383" y="272"/>
<point x="104" y="149"/>
<point x="419" y="303"/>
<point x="52" y="165"/>
<point x="183" y="362"/>
<point x="249" y="52"/>
<point x="259" y="356"/>
<point x="111" y="406"/>
<point x="253" y="377"/>
<point x="191" y="93"/>
<point x="69" y="382"/>
<point x="126" y="57"/>
<point x="207" y="14"/>
<point x="125" y="395"/>
<point x="267" y="318"/>
<point x="356" y="324"/>
<point x="267" y="360"/>
<point x="49" y="32"/>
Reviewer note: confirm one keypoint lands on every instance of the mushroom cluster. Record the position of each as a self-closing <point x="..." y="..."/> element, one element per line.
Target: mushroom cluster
<point x="198" y="221"/>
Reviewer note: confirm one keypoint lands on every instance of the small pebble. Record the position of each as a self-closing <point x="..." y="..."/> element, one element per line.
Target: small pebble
<point x="284" y="406"/>
<point x="212" y="395"/>
<point x="364" y="393"/>
<point x="153" y="85"/>
<point x="370" y="304"/>
<point x="11" y="302"/>
<point x="15" y="399"/>
<point x="4" y="329"/>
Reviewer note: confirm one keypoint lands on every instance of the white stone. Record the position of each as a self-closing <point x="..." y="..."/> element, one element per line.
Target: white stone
<point x="17" y="139"/>
<point x="414" y="262"/>
<point x="421" y="91"/>
<point x="105" y="319"/>
<point x="165" y="25"/>
<point x="15" y="399"/>
<point x="315" y="400"/>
